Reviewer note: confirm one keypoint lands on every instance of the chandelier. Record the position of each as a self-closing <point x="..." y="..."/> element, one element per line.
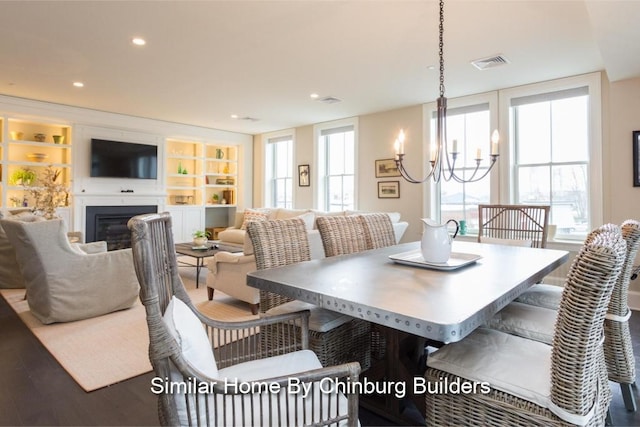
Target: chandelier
<point x="443" y="161"/>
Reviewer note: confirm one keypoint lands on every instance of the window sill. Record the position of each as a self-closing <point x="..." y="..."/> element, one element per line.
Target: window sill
<point x="565" y="245"/>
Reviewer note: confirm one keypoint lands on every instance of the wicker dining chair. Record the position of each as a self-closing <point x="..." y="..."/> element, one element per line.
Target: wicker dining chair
<point x="509" y="378"/>
<point x="336" y="338"/>
<point x="540" y="302"/>
<point x="343" y="235"/>
<point x="514" y="222"/>
<point x="197" y="360"/>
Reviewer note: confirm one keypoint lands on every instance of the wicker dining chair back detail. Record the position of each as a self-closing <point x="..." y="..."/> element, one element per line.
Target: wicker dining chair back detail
<point x="379" y="230"/>
<point x="277" y="243"/>
<point x="342" y="235"/>
<point x="515" y="222"/>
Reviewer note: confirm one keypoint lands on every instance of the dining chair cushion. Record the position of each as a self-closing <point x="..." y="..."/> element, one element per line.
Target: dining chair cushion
<point x="527" y="321"/>
<point x="508" y="242"/>
<point x="508" y="363"/>
<point x="542" y="295"/>
<point x="321" y="319"/>
<point x="188" y="331"/>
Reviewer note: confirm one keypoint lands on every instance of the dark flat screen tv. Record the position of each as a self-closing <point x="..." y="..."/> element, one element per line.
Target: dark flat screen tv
<point x="115" y="159"/>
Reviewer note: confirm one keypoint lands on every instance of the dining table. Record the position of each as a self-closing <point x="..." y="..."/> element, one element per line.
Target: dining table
<point x="412" y="300"/>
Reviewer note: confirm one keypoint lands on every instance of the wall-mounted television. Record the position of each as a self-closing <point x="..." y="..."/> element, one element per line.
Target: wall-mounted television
<point x="116" y="159"/>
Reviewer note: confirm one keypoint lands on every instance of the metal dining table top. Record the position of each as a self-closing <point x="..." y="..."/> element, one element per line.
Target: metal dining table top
<point x="440" y="305"/>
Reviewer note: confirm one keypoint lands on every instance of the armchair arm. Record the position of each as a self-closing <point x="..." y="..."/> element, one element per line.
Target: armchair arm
<point x="228" y="258"/>
<point x="92" y="247"/>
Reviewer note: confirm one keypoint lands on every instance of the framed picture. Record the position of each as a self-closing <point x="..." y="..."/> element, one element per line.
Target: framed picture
<point x="386" y="168"/>
<point x="389" y="190"/>
<point x="303" y="176"/>
<point x="636" y="158"/>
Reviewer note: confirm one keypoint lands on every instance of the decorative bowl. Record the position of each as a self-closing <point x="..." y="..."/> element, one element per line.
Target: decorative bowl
<point x="37" y="157"/>
<point x="39" y="137"/>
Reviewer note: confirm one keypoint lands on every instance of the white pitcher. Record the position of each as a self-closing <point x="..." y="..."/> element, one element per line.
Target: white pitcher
<point x="436" y="240"/>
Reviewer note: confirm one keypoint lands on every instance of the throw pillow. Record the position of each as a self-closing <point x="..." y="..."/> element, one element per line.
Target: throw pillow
<point x="188" y="331"/>
<point x="251" y="215"/>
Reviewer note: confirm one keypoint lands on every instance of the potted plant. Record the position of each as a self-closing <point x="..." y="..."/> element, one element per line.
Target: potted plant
<point x="21" y="176"/>
<point x="216" y="199"/>
<point x="201" y="237"/>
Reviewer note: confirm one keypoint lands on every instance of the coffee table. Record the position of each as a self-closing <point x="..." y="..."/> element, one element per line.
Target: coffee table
<point x="211" y="248"/>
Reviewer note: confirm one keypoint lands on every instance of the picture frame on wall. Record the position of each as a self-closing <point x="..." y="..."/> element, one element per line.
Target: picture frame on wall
<point x="636" y="158"/>
<point x="388" y="189"/>
<point x="386" y="168"/>
<point x="303" y="176"/>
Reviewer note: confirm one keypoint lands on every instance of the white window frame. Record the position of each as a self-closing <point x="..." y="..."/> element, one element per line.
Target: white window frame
<point x="507" y="169"/>
<point x="320" y="169"/>
<point x="432" y="201"/>
<point x="266" y="190"/>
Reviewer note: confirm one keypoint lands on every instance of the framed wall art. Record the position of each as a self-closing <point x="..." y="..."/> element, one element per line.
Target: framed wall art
<point x="636" y="158"/>
<point x="389" y="190"/>
<point x="386" y="168"/>
<point x="303" y="176"/>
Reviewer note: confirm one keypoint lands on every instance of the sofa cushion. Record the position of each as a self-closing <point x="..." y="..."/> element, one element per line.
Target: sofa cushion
<point x="251" y="215"/>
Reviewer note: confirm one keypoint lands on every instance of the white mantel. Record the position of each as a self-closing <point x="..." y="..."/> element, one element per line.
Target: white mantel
<point x="81" y="201"/>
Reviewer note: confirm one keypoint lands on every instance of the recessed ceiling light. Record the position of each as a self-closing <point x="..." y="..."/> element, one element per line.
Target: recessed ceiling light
<point x="314" y="96"/>
<point x="431" y="67"/>
<point x="78" y="84"/>
<point x="234" y="116"/>
<point x="138" y="41"/>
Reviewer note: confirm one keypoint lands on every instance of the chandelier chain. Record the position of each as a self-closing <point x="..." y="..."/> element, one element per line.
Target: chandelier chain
<point x="441" y="47"/>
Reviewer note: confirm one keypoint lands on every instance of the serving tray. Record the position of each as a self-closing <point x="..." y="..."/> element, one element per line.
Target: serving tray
<point x="414" y="258"/>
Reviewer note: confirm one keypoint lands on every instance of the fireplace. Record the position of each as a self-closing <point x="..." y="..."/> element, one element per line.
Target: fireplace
<point x="109" y="223"/>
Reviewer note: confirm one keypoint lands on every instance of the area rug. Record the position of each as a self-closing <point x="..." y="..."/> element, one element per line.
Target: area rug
<point x="108" y="349"/>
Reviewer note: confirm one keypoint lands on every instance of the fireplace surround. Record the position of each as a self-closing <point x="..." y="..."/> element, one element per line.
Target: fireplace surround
<point x="109" y="223"/>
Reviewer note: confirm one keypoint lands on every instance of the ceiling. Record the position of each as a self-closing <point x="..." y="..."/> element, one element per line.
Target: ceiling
<point x="207" y="60"/>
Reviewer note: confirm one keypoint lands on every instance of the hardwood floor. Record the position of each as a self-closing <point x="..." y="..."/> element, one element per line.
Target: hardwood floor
<point x="37" y="391"/>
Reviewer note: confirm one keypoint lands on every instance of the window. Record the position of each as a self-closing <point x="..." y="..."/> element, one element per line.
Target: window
<point x="470" y="127"/>
<point x="279" y="172"/>
<point x="550" y="133"/>
<point x="336" y="160"/>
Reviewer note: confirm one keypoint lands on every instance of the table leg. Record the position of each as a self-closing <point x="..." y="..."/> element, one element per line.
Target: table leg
<point x="401" y="364"/>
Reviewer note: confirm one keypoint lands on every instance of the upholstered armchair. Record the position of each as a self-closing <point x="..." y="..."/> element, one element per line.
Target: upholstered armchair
<point x="67" y="282"/>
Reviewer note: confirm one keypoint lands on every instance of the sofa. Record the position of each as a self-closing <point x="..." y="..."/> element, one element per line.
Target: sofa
<point x="227" y="272"/>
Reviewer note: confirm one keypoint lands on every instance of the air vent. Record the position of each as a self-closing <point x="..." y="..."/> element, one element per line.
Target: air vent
<point x="491" y="62"/>
<point x="248" y="119"/>
<point x="329" y="100"/>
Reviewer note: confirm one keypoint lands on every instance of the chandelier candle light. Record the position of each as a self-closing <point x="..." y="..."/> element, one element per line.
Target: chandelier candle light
<point x="440" y="153"/>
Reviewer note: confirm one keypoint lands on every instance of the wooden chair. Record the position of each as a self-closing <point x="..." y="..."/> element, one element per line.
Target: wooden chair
<point x="202" y="355"/>
<point x="514" y="222"/>
<point x="336" y="338"/>
<point x="517" y="386"/>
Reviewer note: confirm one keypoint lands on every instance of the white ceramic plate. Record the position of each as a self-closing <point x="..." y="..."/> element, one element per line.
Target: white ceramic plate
<point x="414" y="259"/>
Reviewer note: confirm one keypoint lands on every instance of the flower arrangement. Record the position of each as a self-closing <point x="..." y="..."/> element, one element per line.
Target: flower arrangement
<point x="49" y="193"/>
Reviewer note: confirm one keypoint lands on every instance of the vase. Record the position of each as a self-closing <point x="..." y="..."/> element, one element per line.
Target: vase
<point x="200" y="241"/>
